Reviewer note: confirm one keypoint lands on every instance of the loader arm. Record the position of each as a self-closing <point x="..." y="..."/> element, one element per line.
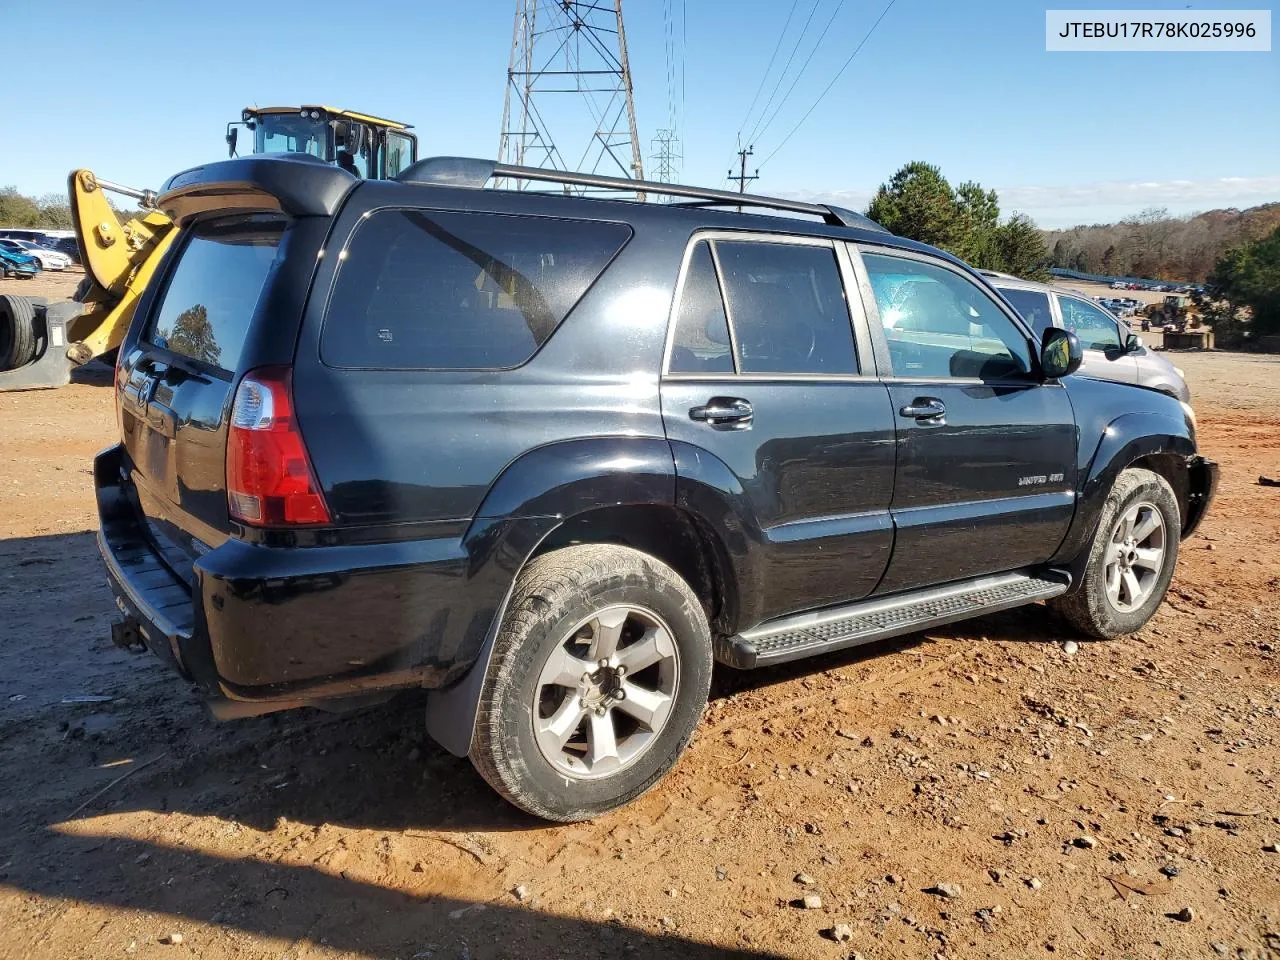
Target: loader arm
<point x="119" y="261"/>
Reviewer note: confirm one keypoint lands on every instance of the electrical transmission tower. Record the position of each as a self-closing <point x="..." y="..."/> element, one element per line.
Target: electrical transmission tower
<point x="569" y="70"/>
<point x="666" y="157"/>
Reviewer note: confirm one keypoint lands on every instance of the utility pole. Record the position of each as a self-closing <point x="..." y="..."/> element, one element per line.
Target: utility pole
<point x="569" y="69"/>
<point x="666" y="157"/>
<point x="741" y="175"/>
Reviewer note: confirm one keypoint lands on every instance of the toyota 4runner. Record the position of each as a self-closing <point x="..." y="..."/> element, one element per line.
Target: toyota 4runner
<point x="551" y="456"/>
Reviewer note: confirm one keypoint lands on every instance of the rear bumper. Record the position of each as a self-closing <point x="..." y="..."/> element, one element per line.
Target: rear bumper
<point x="1202" y="476"/>
<point x="146" y="591"/>
<point x="260" y="628"/>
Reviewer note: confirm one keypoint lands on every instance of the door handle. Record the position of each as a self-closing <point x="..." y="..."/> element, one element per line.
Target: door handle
<point x="927" y="409"/>
<point x="723" y="410"/>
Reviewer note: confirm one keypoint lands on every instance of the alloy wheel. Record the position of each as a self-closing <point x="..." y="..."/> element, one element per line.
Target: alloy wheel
<point x="605" y="692"/>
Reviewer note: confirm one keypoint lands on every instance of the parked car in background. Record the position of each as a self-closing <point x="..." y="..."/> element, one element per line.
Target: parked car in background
<point x="49" y="259"/>
<point x="14" y="263"/>
<point x="67" y="246"/>
<point x="1111" y="350"/>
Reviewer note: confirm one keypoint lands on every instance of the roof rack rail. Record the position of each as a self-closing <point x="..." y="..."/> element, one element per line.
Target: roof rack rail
<point x="475" y="173"/>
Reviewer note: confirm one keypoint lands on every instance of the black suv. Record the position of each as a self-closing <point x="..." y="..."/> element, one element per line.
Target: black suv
<point x="550" y="456"/>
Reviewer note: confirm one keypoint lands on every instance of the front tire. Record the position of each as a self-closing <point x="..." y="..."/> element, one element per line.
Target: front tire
<point x="598" y="677"/>
<point x="1131" y="559"/>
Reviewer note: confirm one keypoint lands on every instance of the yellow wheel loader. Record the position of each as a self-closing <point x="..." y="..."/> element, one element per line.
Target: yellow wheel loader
<point x="41" y="341"/>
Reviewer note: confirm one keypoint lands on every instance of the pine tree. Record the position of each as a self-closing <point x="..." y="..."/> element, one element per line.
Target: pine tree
<point x="1021" y="248"/>
<point x="918" y="203"/>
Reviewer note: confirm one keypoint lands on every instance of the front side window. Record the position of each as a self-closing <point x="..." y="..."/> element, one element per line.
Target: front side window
<point x="940" y="324"/>
<point x="212" y="295"/>
<point x="1095" y="329"/>
<point x="399" y="153"/>
<point x="427" y="289"/>
<point x="787" y="307"/>
<point x="1033" y="305"/>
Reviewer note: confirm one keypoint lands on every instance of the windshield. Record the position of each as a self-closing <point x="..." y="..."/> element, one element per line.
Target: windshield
<point x="291" y="133"/>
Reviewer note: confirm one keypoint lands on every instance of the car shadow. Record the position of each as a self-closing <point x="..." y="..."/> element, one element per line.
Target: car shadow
<point x="214" y="901"/>
<point x="95" y="373"/>
<point x="373" y="768"/>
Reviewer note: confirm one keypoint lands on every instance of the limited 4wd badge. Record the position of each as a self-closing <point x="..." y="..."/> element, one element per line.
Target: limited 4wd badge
<point x="1039" y="479"/>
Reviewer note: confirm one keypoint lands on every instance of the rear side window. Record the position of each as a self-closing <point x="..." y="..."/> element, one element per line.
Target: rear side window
<point x="701" y="343"/>
<point x="1032" y="305"/>
<point x="434" y="290"/>
<point x="214" y="289"/>
<point x="787" y="306"/>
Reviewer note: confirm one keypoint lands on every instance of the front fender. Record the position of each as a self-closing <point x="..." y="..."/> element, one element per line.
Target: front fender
<point x="1127" y="438"/>
<point x="536" y="494"/>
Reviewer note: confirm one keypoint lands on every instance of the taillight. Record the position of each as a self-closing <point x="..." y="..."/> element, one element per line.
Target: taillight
<point x="269" y="477"/>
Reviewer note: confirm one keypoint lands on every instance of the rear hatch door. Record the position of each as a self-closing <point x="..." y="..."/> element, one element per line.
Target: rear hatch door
<point x="175" y="379"/>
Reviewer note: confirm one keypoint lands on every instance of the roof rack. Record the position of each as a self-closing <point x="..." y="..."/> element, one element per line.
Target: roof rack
<point x="475" y="173"/>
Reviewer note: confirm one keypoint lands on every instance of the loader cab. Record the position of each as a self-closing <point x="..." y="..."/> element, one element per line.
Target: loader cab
<point x="366" y="146"/>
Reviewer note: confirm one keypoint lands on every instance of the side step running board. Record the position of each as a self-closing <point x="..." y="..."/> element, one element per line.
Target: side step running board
<point x="807" y="634"/>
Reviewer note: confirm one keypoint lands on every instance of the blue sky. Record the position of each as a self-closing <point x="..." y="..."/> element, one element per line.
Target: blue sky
<point x="1065" y="137"/>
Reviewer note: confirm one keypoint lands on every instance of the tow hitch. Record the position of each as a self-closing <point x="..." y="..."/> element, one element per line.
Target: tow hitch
<point x="125" y="635"/>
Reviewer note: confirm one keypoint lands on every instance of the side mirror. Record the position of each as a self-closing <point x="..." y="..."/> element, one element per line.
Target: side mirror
<point x="1060" y="353"/>
<point x="233" y="134"/>
<point x="355" y="138"/>
<point x="1132" y="343"/>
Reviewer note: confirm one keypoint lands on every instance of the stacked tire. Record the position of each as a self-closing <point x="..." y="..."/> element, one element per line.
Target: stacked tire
<point x="19" y="342"/>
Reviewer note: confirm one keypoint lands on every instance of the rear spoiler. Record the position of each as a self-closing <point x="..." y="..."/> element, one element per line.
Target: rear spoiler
<point x="296" y="184"/>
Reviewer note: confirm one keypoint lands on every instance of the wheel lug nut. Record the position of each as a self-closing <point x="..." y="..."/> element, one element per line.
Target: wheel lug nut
<point x="621" y="671"/>
<point x="600" y="711"/>
<point x="604" y="662"/>
<point x="586" y="678"/>
<point x="619" y="694"/>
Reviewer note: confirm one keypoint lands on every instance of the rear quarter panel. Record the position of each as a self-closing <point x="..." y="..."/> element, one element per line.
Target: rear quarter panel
<point x="395" y="446"/>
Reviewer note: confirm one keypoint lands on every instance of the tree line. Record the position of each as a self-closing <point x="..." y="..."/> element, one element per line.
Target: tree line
<point x="1242" y="291"/>
<point x="50" y="210"/>
<point x="918" y="202"/>
<point x="1155" y="245"/>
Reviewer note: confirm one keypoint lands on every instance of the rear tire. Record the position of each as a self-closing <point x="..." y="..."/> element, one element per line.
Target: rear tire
<point x="17" y="332"/>
<point x="553" y="736"/>
<point x="1131" y="559"/>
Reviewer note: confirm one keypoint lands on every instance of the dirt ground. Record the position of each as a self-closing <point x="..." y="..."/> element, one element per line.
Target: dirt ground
<point x="1079" y="802"/>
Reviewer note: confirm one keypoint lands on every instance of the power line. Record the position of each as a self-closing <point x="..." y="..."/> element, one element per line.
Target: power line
<point x="772" y="57"/>
<point x="785" y="97"/>
<point x="787" y="66"/>
<point x="827" y="89"/>
<point x="669" y="49"/>
<point x="684" y="47"/>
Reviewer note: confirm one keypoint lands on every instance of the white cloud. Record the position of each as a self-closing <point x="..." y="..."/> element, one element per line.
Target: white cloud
<point x="1222" y="191"/>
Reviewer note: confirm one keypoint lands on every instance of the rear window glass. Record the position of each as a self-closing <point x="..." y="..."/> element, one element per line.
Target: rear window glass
<point x="209" y="302"/>
<point x="433" y="290"/>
